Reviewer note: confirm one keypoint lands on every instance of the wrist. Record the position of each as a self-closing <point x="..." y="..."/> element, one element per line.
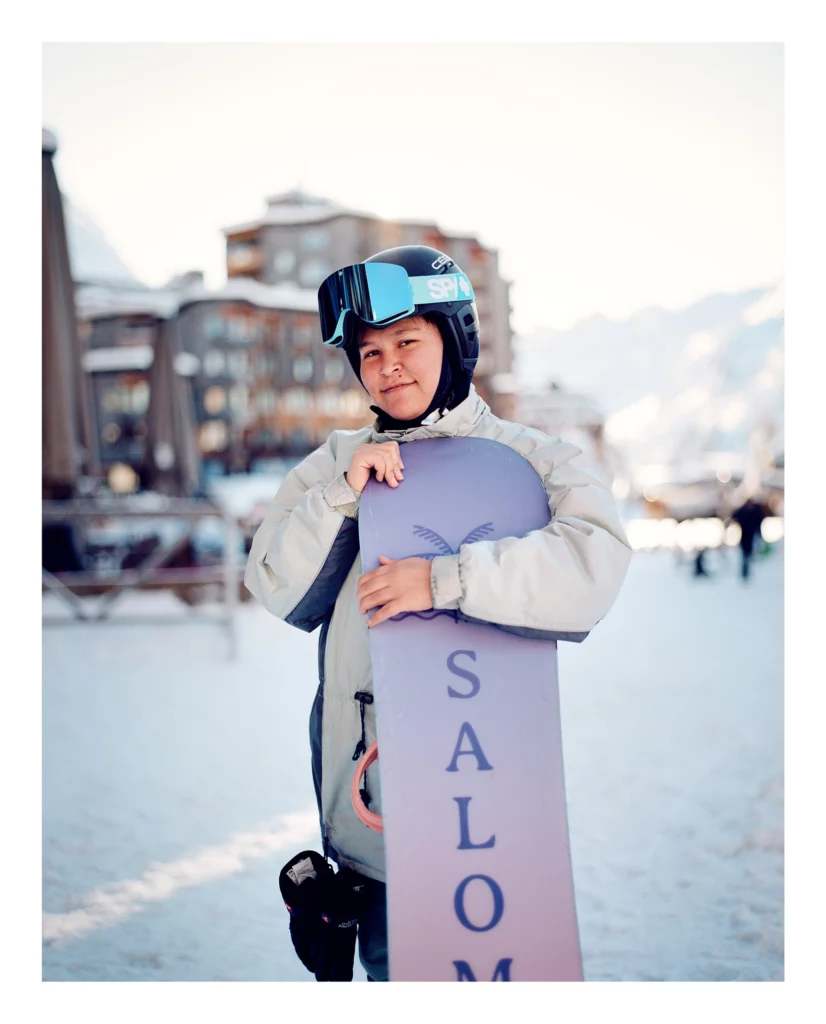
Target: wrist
<point x="354" y="482"/>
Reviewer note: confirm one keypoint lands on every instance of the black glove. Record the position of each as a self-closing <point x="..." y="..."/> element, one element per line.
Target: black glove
<point x="324" y="908"/>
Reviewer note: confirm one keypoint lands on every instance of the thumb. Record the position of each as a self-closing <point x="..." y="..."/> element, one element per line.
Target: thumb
<point x="384" y="560"/>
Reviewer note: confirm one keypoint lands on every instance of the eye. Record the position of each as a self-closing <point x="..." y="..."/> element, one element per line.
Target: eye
<point x="366" y="355"/>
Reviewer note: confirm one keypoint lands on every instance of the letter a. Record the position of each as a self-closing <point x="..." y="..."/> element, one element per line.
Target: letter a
<point x="482" y="763"/>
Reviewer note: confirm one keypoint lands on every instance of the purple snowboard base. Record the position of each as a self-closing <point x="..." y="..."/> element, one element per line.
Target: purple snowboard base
<point x="479" y="882"/>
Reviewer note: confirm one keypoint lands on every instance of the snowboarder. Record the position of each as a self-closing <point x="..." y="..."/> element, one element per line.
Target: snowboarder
<point x="408" y="324"/>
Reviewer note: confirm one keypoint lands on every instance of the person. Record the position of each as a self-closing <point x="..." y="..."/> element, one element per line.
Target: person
<point x="749" y="516"/>
<point x="407" y="321"/>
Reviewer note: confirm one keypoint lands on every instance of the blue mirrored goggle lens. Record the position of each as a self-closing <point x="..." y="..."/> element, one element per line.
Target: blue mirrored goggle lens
<point x="389" y="294"/>
<point x="378" y="293"/>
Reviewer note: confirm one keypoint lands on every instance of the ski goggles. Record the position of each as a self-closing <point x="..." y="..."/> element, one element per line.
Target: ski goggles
<point x="381" y="293"/>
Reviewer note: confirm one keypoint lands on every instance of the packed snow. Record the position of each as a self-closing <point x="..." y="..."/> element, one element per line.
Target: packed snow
<point x="176" y="782"/>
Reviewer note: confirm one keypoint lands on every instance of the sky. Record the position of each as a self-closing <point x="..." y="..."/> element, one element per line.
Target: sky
<point x="609" y="177"/>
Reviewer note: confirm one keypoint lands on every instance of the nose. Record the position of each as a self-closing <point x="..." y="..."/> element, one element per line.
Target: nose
<point x="390" y="363"/>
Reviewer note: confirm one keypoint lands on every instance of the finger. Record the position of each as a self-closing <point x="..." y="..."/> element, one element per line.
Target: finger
<point x="387" y="561"/>
<point x="367" y="586"/>
<point x="367" y="576"/>
<point x="374" y="600"/>
<point x="390" y="473"/>
<point x="377" y="587"/>
<point x="386" y="612"/>
<point x="384" y="466"/>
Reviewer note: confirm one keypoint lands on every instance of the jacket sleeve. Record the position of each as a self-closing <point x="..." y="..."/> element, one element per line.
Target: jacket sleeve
<point x="555" y="583"/>
<point x="305" y="546"/>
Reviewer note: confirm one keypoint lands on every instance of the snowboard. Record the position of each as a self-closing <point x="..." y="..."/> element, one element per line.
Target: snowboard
<point x="472" y="793"/>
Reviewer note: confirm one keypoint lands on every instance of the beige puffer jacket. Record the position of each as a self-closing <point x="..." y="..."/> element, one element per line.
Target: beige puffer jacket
<point x="304" y="566"/>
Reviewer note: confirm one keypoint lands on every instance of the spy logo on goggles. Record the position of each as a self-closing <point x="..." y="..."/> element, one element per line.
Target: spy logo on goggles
<point x="451" y="286"/>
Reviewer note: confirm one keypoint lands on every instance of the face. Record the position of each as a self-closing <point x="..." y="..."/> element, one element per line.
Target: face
<point x="401" y="366"/>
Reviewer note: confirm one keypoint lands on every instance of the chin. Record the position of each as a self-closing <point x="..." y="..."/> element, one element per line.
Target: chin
<point x="402" y="407"/>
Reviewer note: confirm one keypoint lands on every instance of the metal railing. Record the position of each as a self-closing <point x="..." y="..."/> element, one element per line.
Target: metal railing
<point x="150" y="573"/>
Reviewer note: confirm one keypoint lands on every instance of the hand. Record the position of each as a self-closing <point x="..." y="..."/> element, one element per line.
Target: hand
<point x="398" y="585"/>
<point x="385" y="459"/>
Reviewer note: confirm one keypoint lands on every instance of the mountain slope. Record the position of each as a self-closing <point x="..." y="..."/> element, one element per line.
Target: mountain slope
<point x="674" y="386"/>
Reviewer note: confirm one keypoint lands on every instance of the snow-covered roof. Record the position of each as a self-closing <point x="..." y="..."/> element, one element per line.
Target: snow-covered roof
<point x="297" y="207"/>
<point x="135" y="357"/>
<point x="95" y="302"/>
<point x="127" y="357"/>
<point x="247" y="289"/>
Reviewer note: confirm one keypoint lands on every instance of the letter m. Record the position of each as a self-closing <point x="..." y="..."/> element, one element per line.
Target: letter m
<point x="464" y="971"/>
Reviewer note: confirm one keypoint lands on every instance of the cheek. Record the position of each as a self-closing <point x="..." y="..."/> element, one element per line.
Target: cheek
<point x="369" y="377"/>
<point x="424" y="367"/>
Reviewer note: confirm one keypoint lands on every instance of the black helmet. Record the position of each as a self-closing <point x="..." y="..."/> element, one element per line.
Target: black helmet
<point x="428" y="283"/>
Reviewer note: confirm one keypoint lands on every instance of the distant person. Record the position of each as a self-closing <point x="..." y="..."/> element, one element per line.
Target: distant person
<point x="416" y="364"/>
<point x="699" y="563"/>
<point x="749" y="516"/>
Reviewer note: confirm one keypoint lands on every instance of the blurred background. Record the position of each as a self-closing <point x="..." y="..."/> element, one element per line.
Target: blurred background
<point x="619" y="211"/>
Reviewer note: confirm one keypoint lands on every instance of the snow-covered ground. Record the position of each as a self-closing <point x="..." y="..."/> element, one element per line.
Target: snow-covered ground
<point x="176" y="783"/>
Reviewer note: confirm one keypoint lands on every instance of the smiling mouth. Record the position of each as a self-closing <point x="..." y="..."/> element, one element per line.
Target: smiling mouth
<point x="397" y="387"/>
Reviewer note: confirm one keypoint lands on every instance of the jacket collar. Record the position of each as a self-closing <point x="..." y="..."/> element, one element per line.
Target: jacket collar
<point x="458" y="422"/>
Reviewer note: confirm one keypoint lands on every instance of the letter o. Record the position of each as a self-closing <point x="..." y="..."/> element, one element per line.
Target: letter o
<point x="498" y="903"/>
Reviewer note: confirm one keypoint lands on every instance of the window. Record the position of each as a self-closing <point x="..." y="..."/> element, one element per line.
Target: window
<point x="111" y="433"/>
<point x="284" y="261"/>
<point x="312" y="272"/>
<point x="136" y="334"/>
<point x="297" y="401"/>
<point x="303" y="369"/>
<point x="215" y="401"/>
<point x="237" y="364"/>
<point x="329" y="403"/>
<point x="243" y="255"/>
<point x="140" y="398"/>
<point x="213" y="436"/>
<point x="315" y="240"/>
<point x="214" y="362"/>
<point x="124" y="394"/>
<point x="238" y="398"/>
<point x="238" y="330"/>
<point x="303" y="334"/>
<point x="334" y="370"/>
<point x="352" y="403"/>
<point x="265" y="401"/>
<point x="214" y="329"/>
